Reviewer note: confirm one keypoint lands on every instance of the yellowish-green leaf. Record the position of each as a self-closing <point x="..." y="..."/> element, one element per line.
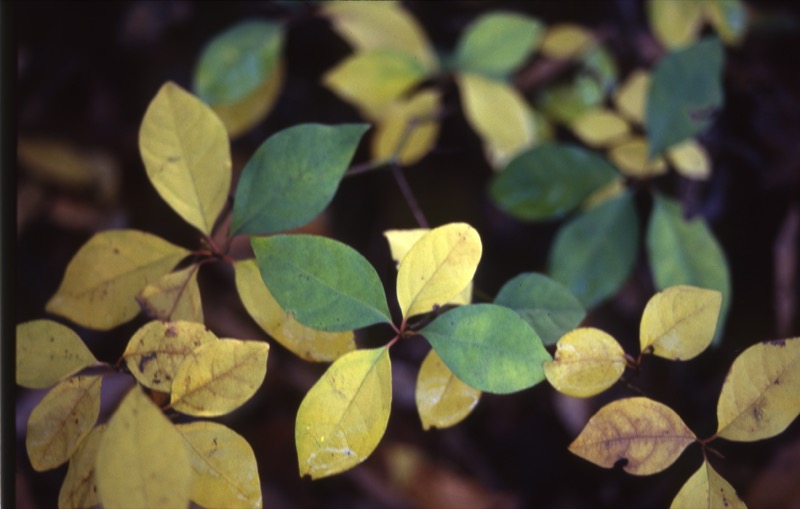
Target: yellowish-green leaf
<point x="759" y="397"/>
<point x="690" y="160"/>
<point x="608" y="192"/>
<point x="729" y="18"/>
<point x="679" y="323"/>
<point x="631" y="97"/>
<point x="224" y="465"/>
<point x="344" y="415"/>
<point x="56" y="162"/>
<point x="442" y="399"/>
<point x="175" y="296"/>
<point x="48" y="352"/>
<point x="79" y="489"/>
<point x="242" y="116"/>
<point x="408" y="129"/>
<point x="142" y="460"/>
<point x="499" y="114"/>
<point x="59" y="423"/>
<point x="706" y="489"/>
<point x="675" y="24"/>
<point x="157" y="349"/>
<point x="587" y="362"/>
<point x="102" y="279"/>
<point x="631" y="158"/>
<point x="647" y="435"/>
<point x="186" y="152"/>
<point x="600" y="128"/>
<point x="437" y="268"/>
<point x="220" y="377"/>
<point x="565" y="41"/>
<point x="305" y="342"/>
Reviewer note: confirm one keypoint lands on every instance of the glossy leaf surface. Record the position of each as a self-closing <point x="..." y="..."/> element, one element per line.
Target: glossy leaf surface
<point x="175" y="296"/>
<point x="587" y="362"/>
<point x="497" y="43"/>
<point x="442" y="399"/>
<point x="48" y="352"/>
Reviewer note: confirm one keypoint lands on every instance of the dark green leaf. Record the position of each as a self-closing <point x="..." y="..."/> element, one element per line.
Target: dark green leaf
<point x="497" y="43"/>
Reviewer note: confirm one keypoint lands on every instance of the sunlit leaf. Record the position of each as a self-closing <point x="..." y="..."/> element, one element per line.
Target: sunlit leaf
<point x="344" y="415"/>
<point x="219" y="377"/>
<point x="79" y="489"/>
<point x="679" y="323"/>
<point x="759" y="397"/>
<point x="408" y="129"/>
<point x="675" y="24"/>
<point x="647" y="435"/>
<point x="565" y="41"/>
<point x="325" y="284"/>
<point x="631" y="157"/>
<point x="175" y="296"/>
<point x="102" y="279"/>
<point x="547" y="305"/>
<point x="690" y="160"/>
<point x="489" y="347"/>
<point x="600" y="128"/>
<point x="729" y="19"/>
<point x="142" y="460"/>
<point x="242" y="116"/>
<point x="497" y="43"/>
<point x="310" y="344"/>
<point x="48" y="352"/>
<point x="706" y="489"/>
<point x="442" y="399"/>
<point x="437" y="268"/>
<point x="224" y="465"/>
<point x="293" y="176"/>
<point x="587" y="362"/>
<point x="59" y="423"/>
<point x="631" y="97"/>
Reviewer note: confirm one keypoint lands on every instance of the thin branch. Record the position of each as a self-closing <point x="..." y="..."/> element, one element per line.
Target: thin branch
<point x="408" y="194"/>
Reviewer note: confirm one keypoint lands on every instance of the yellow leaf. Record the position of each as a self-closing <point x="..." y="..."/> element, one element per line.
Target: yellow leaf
<point x="631" y="97"/>
<point x="224" y="465"/>
<point x="219" y="377"/>
<point x="631" y="158"/>
<point x="729" y="19"/>
<point x="242" y="116"/>
<point x="442" y="399"/>
<point x="759" y="397"/>
<point x="600" y="127"/>
<point x="587" y="362"/>
<point x="59" y="423"/>
<point x="48" y="352"/>
<point x="565" y="41"/>
<point x="437" y="268"/>
<point x="142" y="460"/>
<point x="500" y="116"/>
<point x="79" y="489"/>
<point x="57" y="162"/>
<point x="706" y="489"/>
<point x="157" y="349"/>
<point x="648" y="435"/>
<point x="175" y="296"/>
<point x="344" y="415"/>
<point x="380" y="25"/>
<point x="102" y="279"/>
<point x="605" y="193"/>
<point x="673" y="23"/>
<point x="186" y="153"/>
<point x="690" y="160"/>
<point x="307" y="343"/>
<point x="679" y="323"/>
<point x="408" y="129"/>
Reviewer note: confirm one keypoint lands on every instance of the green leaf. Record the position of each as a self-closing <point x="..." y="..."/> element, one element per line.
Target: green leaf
<point x="549" y="180"/>
<point x="685" y="252"/>
<point x="488" y="347"/>
<point x="497" y="43"/>
<point x="293" y="176"/>
<point x="594" y="253"/>
<point x="48" y="352"/>
<point x="685" y="90"/>
<point x="327" y="285"/>
<point x="547" y="305"/>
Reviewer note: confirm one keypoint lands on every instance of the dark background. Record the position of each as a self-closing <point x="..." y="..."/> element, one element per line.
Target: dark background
<point x="86" y="72"/>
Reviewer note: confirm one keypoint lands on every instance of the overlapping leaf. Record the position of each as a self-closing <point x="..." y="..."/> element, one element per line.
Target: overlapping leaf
<point x="631" y="97"/>
<point x="242" y="116"/>
<point x="497" y="43"/>
<point x="48" y="352"/>
<point x="729" y="18"/>
<point x="442" y="399"/>
<point x="587" y="362"/>
<point x="79" y="489"/>
<point x="175" y="296"/>
<point x="631" y="157"/>
<point x="408" y="129"/>
<point x="675" y="24"/>
<point x="690" y="160"/>
<point x="706" y="489"/>
<point x="600" y="127"/>
<point x="565" y="41"/>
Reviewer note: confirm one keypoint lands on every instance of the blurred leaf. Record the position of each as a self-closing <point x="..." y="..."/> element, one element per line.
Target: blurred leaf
<point x="587" y="362"/>
<point x="242" y="116"/>
<point x="566" y="101"/>
<point x="631" y="157"/>
<point x="690" y="160"/>
<point x="675" y="24"/>
<point x="56" y="162"/>
<point x="325" y="284"/>
<point x="102" y="279"/>
<point x="489" y="347"/>
<point x="79" y="489"/>
<point x="648" y="435"/>
<point x="292" y="177"/>
<point x="175" y="296"/>
<point x="600" y="128"/>
<point x="408" y="129"/>
<point x="631" y="97"/>
<point x="344" y="415"/>
<point x="442" y="399"/>
<point x="497" y="43"/>
<point x="60" y="422"/>
<point x="729" y="19"/>
<point x="48" y="352"/>
<point x="565" y="41"/>
<point x="706" y="489"/>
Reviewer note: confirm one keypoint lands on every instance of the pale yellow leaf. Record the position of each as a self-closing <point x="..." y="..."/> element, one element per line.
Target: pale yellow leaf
<point x="631" y="97"/>
<point x="102" y="279"/>
<point x="48" y="352"/>
<point x="437" y="268"/>
<point x="679" y="322"/>
<point x="59" y="423"/>
<point x="600" y="128"/>
<point x="157" y="349"/>
<point x="675" y="23"/>
<point x="175" y="296"/>
<point x="647" y="435"/>
<point x="224" y="465"/>
<point x="344" y="415"/>
<point x="79" y="489"/>
<point x="631" y="158"/>
<point x="499" y="114"/>
<point x="307" y="343"/>
<point x="706" y="489"/>
<point x="219" y="377"/>
<point x="408" y="129"/>
<point x="56" y="162"/>
<point x="186" y="153"/>
<point x="565" y="41"/>
<point x="759" y="398"/>
<point x="587" y="362"/>
<point x="442" y="399"/>
<point x="242" y="116"/>
<point x="142" y="460"/>
<point x="729" y="19"/>
<point x="690" y="160"/>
